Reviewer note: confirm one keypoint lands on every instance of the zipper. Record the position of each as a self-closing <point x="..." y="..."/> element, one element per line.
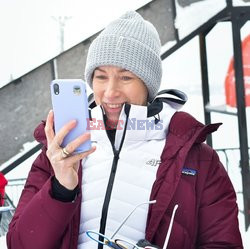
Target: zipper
<point x="110" y="186"/>
<point x="108" y="197"/>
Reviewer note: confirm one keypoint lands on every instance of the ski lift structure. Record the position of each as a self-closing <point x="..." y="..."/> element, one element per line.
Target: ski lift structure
<point x="237" y="85"/>
<point x="238" y="16"/>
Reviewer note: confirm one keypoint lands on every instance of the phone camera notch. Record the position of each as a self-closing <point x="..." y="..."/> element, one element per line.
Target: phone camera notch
<point x="56" y="89"/>
<point x="77" y="90"/>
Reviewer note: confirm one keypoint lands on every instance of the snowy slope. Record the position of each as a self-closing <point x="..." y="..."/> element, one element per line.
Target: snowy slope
<point x="193" y="16"/>
<point x="241" y="3"/>
<point x="31" y="28"/>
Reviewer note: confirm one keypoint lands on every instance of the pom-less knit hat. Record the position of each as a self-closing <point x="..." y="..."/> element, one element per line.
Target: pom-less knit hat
<point x="132" y="43"/>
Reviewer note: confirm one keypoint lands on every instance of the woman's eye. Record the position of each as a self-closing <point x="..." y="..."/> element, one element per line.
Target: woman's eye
<point x="126" y="78"/>
<point x="100" y="77"/>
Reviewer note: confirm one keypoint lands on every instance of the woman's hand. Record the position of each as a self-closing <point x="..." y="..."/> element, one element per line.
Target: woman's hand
<point x="65" y="167"/>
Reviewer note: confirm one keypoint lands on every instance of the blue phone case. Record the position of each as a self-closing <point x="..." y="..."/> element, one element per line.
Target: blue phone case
<point x="69" y="102"/>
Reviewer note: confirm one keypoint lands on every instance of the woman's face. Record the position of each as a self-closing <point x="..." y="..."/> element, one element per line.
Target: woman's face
<point x="114" y="86"/>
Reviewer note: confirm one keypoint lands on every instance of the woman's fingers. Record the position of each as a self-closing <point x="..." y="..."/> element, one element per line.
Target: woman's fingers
<point x="49" y="131"/>
<point x="72" y="159"/>
<point x="57" y="139"/>
<point x="64" y="161"/>
<point x="73" y="145"/>
<point x="61" y="134"/>
<point x="64" y="156"/>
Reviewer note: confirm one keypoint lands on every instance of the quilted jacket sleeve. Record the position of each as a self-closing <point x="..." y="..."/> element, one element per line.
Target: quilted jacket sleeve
<point x="218" y="222"/>
<point x="40" y="221"/>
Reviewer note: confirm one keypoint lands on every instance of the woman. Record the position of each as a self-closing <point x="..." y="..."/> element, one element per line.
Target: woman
<point x="147" y="151"/>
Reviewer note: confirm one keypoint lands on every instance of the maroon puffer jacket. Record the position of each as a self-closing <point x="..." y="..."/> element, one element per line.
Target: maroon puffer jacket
<point x="206" y="216"/>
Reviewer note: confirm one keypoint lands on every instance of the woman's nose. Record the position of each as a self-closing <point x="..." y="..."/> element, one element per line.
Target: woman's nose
<point x="112" y="89"/>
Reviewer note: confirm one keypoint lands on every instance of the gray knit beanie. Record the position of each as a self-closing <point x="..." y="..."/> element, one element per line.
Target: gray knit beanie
<point x="132" y="43"/>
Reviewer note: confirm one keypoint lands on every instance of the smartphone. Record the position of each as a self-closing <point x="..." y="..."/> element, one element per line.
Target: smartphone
<point x="69" y="102"/>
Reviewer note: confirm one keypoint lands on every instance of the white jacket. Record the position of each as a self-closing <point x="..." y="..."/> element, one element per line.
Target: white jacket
<point x="117" y="178"/>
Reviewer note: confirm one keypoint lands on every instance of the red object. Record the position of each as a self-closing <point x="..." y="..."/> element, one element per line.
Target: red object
<point x="230" y="79"/>
<point x="3" y="183"/>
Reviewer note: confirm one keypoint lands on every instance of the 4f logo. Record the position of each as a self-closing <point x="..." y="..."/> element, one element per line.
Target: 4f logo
<point x="153" y="162"/>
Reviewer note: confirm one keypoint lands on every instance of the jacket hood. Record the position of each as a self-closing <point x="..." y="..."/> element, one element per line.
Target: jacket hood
<point x="186" y="127"/>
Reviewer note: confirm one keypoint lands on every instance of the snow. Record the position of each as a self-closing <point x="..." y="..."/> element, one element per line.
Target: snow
<point x="190" y="18"/>
<point x="181" y="70"/>
<point x="240" y="3"/>
<point x="167" y="46"/>
<point x="26" y="147"/>
<point x="32" y="29"/>
<point x="3" y="242"/>
<point x="6" y="208"/>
